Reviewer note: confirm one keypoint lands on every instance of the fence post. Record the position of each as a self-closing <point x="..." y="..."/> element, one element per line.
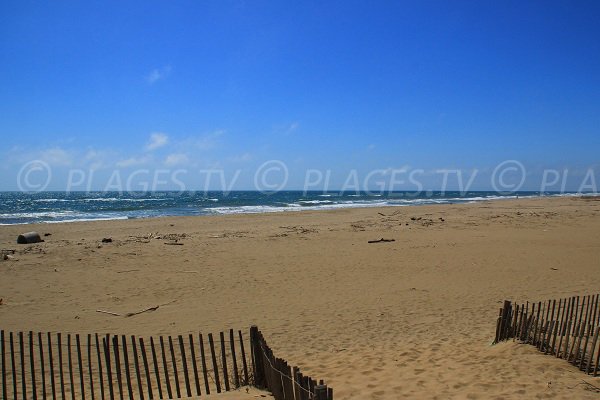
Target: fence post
<point x="321" y="392"/>
<point x="259" y="370"/>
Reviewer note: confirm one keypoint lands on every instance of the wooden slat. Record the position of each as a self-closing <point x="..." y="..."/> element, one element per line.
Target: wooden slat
<point x="13" y="366"/>
<point x="106" y="347"/>
<point x="306" y="387"/>
<point x="100" y="377"/>
<point x="80" y="366"/>
<point x="506" y="319"/>
<point x="203" y="358"/>
<point x="70" y="361"/>
<point x="543" y="333"/>
<point x="577" y="338"/>
<point x="519" y="319"/>
<point x="556" y="327"/>
<point x="224" y="361"/>
<point x="165" y="368"/>
<point x="146" y="369"/>
<point x="592" y="349"/>
<point x="3" y="353"/>
<point x="530" y="326"/>
<point x="175" y="370"/>
<point x="551" y="328"/>
<point x="194" y="365"/>
<point x="568" y="328"/>
<point x="288" y="382"/>
<point x="115" y="343"/>
<point x="586" y="334"/>
<point x="90" y="369"/>
<point x="186" y="377"/>
<point x="156" y="369"/>
<point x="595" y="322"/>
<point x="256" y="358"/>
<point x="23" y="373"/>
<point x="562" y="327"/>
<point x="536" y="324"/>
<point x="42" y="364"/>
<point x="51" y="365"/>
<point x="597" y="362"/>
<point x="32" y="366"/>
<point x="236" y="375"/>
<point x="136" y="365"/>
<point x="297" y="379"/>
<point x="525" y="324"/>
<point x="214" y="362"/>
<point x="126" y="366"/>
<point x="244" y="364"/>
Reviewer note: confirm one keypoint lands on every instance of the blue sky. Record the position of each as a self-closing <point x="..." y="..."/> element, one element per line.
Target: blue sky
<point x="341" y="86"/>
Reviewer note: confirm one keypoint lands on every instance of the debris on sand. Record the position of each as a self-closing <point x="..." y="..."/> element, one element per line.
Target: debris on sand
<point x="382" y="240"/>
<point x="29" y="237"/>
<point x="107" y="240"/>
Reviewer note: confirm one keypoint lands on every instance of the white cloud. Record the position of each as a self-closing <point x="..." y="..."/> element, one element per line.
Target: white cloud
<point x="157" y="140"/>
<point x="158" y="74"/>
<point x="132" y="161"/>
<point x="97" y="159"/>
<point x="205" y="142"/>
<point x="176" y="159"/>
<point x="293" y="127"/>
<point x="286" y="129"/>
<point x="241" y="158"/>
<point x="56" y="156"/>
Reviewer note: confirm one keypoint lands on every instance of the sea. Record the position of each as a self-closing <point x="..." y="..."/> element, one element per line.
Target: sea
<point x="59" y="207"/>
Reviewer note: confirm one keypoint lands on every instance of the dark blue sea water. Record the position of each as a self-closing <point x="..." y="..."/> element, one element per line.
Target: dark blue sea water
<point x="52" y="207"/>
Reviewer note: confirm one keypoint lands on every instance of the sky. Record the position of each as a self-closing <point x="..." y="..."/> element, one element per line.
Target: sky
<point x="336" y="88"/>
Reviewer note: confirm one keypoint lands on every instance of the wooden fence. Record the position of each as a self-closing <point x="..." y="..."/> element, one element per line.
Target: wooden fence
<point x="567" y="329"/>
<point x="284" y="382"/>
<point x="72" y="366"/>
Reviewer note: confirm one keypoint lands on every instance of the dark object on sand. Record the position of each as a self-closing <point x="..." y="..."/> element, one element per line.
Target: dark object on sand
<point x="382" y="240"/>
<point x="107" y="240"/>
<point x="29" y="237"/>
<point x="47" y="234"/>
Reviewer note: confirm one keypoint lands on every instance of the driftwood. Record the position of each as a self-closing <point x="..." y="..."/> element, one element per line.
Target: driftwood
<point x="382" y="240"/>
<point x="131" y="314"/>
<point x="108" y="312"/>
<point x="174" y="243"/>
<point x="587" y="386"/>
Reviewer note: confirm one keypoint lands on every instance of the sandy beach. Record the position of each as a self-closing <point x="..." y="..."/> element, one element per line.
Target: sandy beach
<point x="412" y="318"/>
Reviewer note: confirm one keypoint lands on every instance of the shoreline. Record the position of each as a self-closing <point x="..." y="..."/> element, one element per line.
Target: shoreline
<point x="341" y="206"/>
<point x="413" y="317"/>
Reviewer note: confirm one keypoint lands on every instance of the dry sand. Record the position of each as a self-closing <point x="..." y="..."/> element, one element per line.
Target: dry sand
<point x="413" y="318"/>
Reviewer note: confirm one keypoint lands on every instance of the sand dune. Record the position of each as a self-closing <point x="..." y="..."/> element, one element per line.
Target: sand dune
<point x="413" y="318"/>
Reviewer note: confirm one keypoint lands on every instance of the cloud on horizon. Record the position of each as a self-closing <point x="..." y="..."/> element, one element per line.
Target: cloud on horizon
<point x="176" y="159"/>
<point x="158" y="74"/>
<point x="157" y="140"/>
